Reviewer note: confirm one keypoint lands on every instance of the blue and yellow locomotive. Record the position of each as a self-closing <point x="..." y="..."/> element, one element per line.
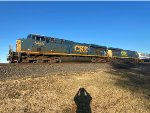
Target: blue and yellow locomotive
<point x="37" y="48"/>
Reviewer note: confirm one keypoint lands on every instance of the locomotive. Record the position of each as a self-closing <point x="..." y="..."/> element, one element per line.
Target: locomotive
<point x="43" y="49"/>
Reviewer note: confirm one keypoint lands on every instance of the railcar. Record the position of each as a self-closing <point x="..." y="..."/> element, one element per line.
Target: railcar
<point x="122" y="55"/>
<point x="38" y="49"/>
<point x="144" y="57"/>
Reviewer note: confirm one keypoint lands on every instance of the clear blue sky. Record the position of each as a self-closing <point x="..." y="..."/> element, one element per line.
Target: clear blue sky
<point x="115" y="24"/>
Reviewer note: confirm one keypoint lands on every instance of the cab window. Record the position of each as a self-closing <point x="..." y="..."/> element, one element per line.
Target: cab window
<point x="52" y="39"/>
<point x="38" y="38"/>
<point x="47" y="40"/>
<point x="42" y="39"/>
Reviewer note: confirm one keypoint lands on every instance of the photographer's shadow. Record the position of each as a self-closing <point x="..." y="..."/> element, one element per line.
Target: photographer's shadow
<point x="83" y="100"/>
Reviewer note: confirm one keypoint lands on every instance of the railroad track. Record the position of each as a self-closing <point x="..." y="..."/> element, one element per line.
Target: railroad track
<point x="11" y="64"/>
<point x="15" y="64"/>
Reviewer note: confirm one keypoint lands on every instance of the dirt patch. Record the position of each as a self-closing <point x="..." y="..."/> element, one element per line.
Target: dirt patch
<point x="111" y="91"/>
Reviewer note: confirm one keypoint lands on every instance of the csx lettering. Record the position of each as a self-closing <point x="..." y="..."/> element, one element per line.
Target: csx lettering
<point x="78" y="48"/>
<point x="123" y="53"/>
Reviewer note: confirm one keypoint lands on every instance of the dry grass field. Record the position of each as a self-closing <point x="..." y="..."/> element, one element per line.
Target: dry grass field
<point x="114" y="88"/>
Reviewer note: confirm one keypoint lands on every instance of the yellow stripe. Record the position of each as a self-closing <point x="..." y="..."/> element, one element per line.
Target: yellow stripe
<point x="123" y="57"/>
<point x="29" y="52"/>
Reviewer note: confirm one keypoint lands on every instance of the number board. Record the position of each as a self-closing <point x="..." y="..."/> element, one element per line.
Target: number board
<point x="39" y="43"/>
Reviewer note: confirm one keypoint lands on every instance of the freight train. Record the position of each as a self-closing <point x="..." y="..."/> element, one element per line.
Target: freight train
<point x="43" y="49"/>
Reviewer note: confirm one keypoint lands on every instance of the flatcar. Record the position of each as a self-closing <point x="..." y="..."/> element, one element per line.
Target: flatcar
<point x="39" y="49"/>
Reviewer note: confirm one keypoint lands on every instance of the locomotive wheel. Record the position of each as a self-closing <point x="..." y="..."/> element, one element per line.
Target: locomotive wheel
<point x="54" y="60"/>
<point x="39" y="61"/>
<point x="93" y="60"/>
<point x="98" y="60"/>
<point x="34" y="61"/>
<point x="104" y="61"/>
<point x="59" y="60"/>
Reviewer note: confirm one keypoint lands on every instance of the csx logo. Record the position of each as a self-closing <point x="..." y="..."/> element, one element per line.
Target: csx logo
<point x="123" y="53"/>
<point x="79" y="48"/>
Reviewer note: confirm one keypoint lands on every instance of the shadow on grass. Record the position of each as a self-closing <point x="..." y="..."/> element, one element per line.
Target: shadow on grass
<point x="134" y="77"/>
<point x="82" y="100"/>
